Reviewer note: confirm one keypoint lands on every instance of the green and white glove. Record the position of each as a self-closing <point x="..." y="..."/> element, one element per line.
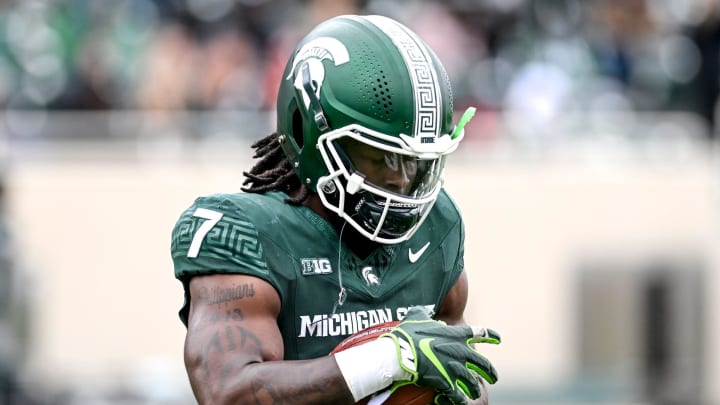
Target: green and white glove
<point x="441" y="357"/>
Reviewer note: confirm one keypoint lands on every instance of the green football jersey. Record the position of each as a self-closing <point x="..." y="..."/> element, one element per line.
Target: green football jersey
<point x="300" y="255"/>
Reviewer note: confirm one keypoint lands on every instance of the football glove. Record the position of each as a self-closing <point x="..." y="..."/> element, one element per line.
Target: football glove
<point x="440" y="356"/>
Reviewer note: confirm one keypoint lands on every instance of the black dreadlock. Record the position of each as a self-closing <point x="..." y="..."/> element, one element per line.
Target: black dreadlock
<point x="273" y="172"/>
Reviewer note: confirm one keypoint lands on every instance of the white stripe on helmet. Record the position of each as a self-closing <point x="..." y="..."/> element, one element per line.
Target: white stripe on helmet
<point x="424" y="77"/>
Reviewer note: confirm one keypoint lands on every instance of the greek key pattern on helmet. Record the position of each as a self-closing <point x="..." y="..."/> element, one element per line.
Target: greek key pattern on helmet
<point x="422" y="74"/>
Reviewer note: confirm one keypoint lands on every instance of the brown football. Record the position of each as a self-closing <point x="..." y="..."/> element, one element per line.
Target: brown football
<point x="406" y="395"/>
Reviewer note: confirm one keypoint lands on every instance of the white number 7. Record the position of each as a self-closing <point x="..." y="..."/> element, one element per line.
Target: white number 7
<point x="213" y="217"/>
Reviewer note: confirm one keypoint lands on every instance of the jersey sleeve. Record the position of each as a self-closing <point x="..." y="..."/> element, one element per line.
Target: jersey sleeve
<point x="215" y="236"/>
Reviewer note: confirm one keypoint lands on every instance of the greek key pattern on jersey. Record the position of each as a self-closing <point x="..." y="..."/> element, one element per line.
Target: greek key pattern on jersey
<point x="229" y="240"/>
<point x="183" y="233"/>
<point x="422" y="74"/>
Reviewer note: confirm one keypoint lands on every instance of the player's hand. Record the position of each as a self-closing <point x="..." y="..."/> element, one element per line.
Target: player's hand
<point x="440" y="356"/>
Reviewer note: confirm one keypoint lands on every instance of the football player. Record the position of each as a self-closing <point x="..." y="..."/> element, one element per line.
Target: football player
<point x="343" y="223"/>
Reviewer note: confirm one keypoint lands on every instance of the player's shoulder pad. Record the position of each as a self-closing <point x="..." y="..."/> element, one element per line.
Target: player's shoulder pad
<point x="219" y="231"/>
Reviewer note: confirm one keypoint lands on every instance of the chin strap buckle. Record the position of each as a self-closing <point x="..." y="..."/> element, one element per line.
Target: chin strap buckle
<point x="315" y="108"/>
<point x="354" y="182"/>
<point x="321" y="121"/>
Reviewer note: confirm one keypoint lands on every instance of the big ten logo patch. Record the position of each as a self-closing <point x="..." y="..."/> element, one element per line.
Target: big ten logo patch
<point x="315" y="266"/>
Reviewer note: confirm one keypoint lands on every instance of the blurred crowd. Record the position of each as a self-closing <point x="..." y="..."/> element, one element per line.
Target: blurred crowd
<point x="539" y="58"/>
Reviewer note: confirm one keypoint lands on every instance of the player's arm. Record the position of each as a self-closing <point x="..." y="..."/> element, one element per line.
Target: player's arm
<point x="234" y="350"/>
<point x="451" y="311"/>
<point x="452" y="308"/>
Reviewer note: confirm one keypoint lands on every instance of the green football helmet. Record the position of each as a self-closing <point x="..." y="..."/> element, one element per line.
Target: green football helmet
<point x="362" y="94"/>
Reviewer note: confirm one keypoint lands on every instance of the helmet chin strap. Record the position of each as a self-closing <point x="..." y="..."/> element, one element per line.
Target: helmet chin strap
<point x="354" y="182"/>
<point x="314" y="107"/>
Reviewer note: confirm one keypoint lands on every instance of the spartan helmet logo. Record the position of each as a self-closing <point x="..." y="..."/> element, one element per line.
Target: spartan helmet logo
<point x="370" y="277"/>
<point x="310" y="57"/>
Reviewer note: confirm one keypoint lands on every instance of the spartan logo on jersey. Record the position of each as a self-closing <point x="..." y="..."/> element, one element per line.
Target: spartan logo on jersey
<point x="312" y="267"/>
<point x="370" y="277"/>
<point x="312" y="54"/>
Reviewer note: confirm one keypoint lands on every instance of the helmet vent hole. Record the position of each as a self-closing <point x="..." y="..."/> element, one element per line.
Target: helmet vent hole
<point x="383" y="96"/>
<point x="377" y="86"/>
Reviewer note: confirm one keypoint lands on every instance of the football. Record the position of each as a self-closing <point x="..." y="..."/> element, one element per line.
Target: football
<point x="405" y="395"/>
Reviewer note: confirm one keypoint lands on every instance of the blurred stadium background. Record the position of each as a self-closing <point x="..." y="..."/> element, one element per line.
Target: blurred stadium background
<point x="589" y="183"/>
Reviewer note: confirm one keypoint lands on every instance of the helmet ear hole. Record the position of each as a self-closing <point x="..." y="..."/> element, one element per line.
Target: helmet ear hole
<point x="297" y="128"/>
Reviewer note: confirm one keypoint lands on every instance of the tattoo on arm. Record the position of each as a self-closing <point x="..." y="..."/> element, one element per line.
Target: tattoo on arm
<point x="219" y="295"/>
<point x="230" y="339"/>
<point x="232" y="353"/>
<point x="230" y="348"/>
<point x="230" y="315"/>
<point x="236" y="347"/>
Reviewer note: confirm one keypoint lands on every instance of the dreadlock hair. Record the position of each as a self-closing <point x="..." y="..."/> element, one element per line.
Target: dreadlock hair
<point x="273" y="172"/>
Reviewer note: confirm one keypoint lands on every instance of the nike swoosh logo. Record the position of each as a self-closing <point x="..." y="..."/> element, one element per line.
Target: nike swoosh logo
<point x="424" y="346"/>
<point x="414" y="256"/>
